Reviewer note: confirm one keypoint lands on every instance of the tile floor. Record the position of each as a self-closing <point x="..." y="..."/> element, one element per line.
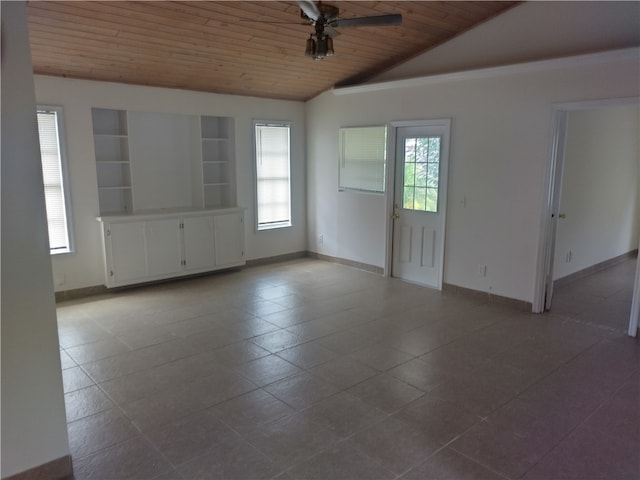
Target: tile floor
<point x="311" y="370"/>
<point x="602" y="298"/>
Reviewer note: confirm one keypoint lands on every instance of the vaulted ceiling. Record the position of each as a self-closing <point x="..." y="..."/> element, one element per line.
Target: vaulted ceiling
<point x="234" y="47"/>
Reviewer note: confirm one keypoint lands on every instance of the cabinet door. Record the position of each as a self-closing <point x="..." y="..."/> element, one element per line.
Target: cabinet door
<point x="164" y="248"/>
<point x="229" y="239"/>
<point x="199" y="250"/>
<point x="126" y="244"/>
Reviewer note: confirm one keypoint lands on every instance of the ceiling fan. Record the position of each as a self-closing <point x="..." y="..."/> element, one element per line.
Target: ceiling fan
<point x="324" y="18"/>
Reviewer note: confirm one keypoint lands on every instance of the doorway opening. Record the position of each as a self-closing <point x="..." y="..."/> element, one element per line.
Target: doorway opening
<point x="593" y="216"/>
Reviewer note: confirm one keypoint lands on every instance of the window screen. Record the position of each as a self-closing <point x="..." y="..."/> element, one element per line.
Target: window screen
<point x="273" y="175"/>
<point x="363" y="153"/>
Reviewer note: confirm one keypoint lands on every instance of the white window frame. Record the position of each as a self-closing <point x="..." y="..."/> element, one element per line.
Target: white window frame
<point x="64" y="179"/>
<point x="285" y="223"/>
<point x="356" y="161"/>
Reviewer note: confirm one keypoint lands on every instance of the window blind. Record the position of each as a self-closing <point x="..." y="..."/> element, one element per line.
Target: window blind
<point x="51" y="159"/>
<point x="363" y="153"/>
<point x="273" y="175"/>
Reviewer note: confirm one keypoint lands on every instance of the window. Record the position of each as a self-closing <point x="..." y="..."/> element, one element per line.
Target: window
<point x="273" y="175"/>
<point x="363" y="153"/>
<point x="421" y="173"/>
<point x="53" y="173"/>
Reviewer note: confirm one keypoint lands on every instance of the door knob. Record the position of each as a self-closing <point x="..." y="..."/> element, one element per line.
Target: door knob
<point x="562" y="215"/>
<point x="395" y="216"/>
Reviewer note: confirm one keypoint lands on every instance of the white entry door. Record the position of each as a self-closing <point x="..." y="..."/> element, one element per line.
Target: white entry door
<point x="420" y="198"/>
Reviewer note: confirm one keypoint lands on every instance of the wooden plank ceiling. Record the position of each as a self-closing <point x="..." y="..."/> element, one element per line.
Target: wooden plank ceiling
<point x="234" y="47"/>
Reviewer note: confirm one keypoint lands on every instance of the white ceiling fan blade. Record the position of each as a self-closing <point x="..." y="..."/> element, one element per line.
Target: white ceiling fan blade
<point x="310" y="9"/>
<point x="376" y="21"/>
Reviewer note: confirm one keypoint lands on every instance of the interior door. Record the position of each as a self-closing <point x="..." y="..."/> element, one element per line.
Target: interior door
<point x="559" y="146"/>
<point x="420" y="196"/>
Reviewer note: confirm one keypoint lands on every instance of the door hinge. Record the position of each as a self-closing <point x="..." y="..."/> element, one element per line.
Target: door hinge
<point x="181" y="225"/>
<point x="111" y="273"/>
<point x="108" y="233"/>
<point x="184" y="263"/>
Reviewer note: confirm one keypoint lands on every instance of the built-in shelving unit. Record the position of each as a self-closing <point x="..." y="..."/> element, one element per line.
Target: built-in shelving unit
<point x="111" y="143"/>
<point x="218" y="166"/>
<point x="147" y="161"/>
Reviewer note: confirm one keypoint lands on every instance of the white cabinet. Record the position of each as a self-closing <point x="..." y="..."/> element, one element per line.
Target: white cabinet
<point x="164" y="247"/>
<point x="143" y="248"/>
<point x="228" y="239"/>
<point x="199" y="243"/>
<point x="125" y="243"/>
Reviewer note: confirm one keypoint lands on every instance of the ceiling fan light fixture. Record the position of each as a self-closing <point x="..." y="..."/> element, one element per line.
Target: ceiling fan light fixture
<point x="310" y="50"/>
<point x="321" y="47"/>
<point x="330" y="51"/>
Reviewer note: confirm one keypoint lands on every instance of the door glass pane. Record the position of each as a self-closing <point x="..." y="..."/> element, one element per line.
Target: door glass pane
<point x="421" y="173"/>
<point x="407" y="198"/>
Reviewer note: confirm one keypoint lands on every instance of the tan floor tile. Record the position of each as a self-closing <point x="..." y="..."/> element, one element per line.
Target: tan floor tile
<point x="246" y="412"/>
<point x="450" y="465"/>
<point x="291" y="440"/>
<point x="133" y="459"/>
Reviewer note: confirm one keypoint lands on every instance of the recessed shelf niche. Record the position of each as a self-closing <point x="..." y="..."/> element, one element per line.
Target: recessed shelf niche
<point x="160" y="161"/>
<point x="113" y="170"/>
<point x="218" y="165"/>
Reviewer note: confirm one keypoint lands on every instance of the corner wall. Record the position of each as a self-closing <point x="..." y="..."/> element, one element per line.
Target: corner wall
<point x="34" y="429"/>
<point x="499" y="159"/>
<point x="83" y="268"/>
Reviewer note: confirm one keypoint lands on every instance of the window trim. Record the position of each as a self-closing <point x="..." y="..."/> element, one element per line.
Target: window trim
<point x="66" y="191"/>
<point x="285" y="224"/>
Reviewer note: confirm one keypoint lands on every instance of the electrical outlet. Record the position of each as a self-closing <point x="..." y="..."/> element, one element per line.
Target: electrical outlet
<point x="568" y="257"/>
<point x="482" y="271"/>
<point x="321" y="239"/>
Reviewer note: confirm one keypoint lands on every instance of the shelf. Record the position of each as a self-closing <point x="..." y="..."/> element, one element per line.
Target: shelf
<point x="224" y="184"/>
<point x="218" y="196"/>
<point x="111" y="143"/>
<point x="109" y="122"/>
<point x="215" y="152"/>
<point x="215" y="139"/>
<point x="115" y="200"/>
<point x="111" y="148"/>
<point x="213" y="128"/>
<point x="110" y="135"/>
<point x="216" y="162"/>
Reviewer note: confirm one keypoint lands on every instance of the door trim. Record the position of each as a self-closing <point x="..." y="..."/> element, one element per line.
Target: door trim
<point x="390" y="189"/>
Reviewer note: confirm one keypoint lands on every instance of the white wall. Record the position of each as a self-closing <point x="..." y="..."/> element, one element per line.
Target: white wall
<point x="34" y="429"/>
<point x="600" y="189"/>
<point x="501" y="134"/>
<point x="83" y="268"/>
<point x="531" y="31"/>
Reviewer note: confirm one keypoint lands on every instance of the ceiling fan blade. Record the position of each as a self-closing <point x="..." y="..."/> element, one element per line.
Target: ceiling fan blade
<point x="332" y="32"/>
<point x="310" y="9"/>
<point x="376" y="21"/>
